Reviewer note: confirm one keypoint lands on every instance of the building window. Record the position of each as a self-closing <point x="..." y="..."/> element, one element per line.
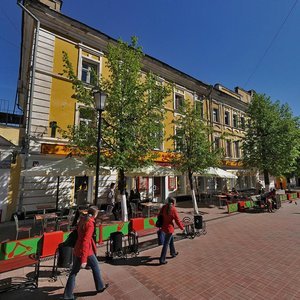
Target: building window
<point x="228" y="148"/>
<point x="179" y="101"/>
<point x="242" y="122"/>
<point x="179" y="139"/>
<point x="217" y="141"/>
<point x="237" y="149"/>
<point x="53" y="126"/>
<point x="84" y="116"/>
<point x="215" y="115"/>
<point x="235" y="121"/>
<point x="158" y="137"/>
<point x="226" y="118"/>
<point x="198" y="107"/>
<point x="89" y="72"/>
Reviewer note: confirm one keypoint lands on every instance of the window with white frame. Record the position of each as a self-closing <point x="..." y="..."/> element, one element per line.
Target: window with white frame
<point x="228" y="148"/>
<point x="158" y="137"/>
<point x="242" y="124"/>
<point x="237" y="149"/>
<point x="227" y="118"/>
<point x="217" y="142"/>
<point x="89" y="71"/>
<point x="178" y="143"/>
<point x="84" y="116"/>
<point x="198" y="106"/>
<point x="235" y="120"/>
<point x="178" y="102"/>
<point x="216" y="115"/>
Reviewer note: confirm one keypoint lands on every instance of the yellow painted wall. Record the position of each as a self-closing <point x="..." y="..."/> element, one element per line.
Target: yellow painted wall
<point x="105" y="72"/>
<point x="13" y="188"/>
<point x="62" y="105"/>
<point x="169" y="130"/>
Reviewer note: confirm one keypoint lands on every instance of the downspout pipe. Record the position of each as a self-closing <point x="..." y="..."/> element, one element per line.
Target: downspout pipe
<point x="30" y="98"/>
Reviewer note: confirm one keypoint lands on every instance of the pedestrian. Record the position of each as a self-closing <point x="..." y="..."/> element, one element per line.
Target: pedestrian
<point x="269" y="204"/>
<point x="82" y="195"/>
<point x="85" y="254"/>
<point x="170" y="214"/>
<point x="259" y="187"/>
<point x="81" y="201"/>
<point x="111" y="197"/>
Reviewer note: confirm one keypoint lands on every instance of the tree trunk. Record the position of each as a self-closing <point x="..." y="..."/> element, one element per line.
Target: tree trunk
<point x="121" y="187"/>
<point x="267" y="180"/>
<point x="196" y="211"/>
<point x="288" y="181"/>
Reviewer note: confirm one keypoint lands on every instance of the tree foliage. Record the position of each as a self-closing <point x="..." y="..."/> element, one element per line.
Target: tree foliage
<point x="191" y="141"/>
<point x="271" y="142"/>
<point x="134" y="113"/>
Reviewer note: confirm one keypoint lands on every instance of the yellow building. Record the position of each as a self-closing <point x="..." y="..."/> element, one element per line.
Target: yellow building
<point x="227" y="115"/>
<point x="45" y="95"/>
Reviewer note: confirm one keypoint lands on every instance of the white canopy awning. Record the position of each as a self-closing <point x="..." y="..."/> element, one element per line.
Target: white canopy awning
<point x="69" y="166"/>
<point x="152" y="171"/>
<point x="216" y="172"/>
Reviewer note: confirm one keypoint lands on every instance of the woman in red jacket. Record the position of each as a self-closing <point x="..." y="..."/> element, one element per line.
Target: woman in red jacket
<point x="169" y="213"/>
<point x="85" y="253"/>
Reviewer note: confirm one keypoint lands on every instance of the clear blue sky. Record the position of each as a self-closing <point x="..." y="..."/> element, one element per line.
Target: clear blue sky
<point x="215" y="41"/>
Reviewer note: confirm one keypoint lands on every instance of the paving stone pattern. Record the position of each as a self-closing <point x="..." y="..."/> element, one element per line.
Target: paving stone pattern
<point x="243" y="256"/>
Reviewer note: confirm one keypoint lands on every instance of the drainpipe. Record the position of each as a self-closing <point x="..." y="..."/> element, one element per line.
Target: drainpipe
<point x="30" y="99"/>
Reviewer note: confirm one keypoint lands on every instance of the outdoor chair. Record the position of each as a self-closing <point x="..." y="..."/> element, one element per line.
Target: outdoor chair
<point x="21" y="228"/>
<point x="135" y="212"/>
<point x="105" y="216"/>
<point x="50" y="224"/>
<point x="66" y="221"/>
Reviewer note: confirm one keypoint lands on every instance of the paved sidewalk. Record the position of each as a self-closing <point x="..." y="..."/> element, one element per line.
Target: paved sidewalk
<point x="243" y="256"/>
<point x="8" y="229"/>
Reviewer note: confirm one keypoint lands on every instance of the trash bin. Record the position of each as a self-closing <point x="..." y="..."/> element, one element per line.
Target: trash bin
<point x="198" y="220"/>
<point x="116" y="242"/>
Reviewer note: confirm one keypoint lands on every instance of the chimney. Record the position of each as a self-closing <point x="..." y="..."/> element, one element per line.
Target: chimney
<point x="53" y="4"/>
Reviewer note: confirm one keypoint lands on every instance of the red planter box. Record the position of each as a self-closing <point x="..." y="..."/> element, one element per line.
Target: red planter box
<point x="137" y="224"/>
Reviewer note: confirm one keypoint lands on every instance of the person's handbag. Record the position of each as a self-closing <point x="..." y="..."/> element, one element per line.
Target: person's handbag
<point x="160" y="221"/>
<point x="160" y="237"/>
<point x="71" y="239"/>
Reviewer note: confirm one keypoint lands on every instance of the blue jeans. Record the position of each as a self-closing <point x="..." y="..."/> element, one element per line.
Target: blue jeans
<point x="93" y="263"/>
<point x="169" y="240"/>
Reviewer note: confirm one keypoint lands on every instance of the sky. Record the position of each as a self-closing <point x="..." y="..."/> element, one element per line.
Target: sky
<point x="251" y="44"/>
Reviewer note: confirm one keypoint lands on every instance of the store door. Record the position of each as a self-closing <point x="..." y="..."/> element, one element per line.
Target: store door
<point x="159" y="190"/>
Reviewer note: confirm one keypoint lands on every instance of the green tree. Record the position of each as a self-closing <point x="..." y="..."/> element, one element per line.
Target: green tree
<point x="133" y="117"/>
<point x="271" y="141"/>
<point x="195" y="151"/>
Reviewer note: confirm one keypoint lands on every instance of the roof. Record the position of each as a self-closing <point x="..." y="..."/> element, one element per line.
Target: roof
<point x="95" y="38"/>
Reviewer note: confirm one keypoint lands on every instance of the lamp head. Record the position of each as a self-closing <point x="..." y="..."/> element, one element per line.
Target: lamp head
<point x="100" y="99"/>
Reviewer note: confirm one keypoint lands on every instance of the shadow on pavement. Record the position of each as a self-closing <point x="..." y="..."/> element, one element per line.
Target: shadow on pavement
<point x="135" y="261"/>
<point x="33" y="294"/>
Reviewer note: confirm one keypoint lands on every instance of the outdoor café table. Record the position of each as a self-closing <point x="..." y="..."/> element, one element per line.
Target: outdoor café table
<point x="149" y="205"/>
<point x="42" y="218"/>
<point x="221" y="199"/>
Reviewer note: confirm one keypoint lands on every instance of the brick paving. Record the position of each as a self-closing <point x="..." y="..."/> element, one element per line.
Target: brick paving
<point x="243" y="256"/>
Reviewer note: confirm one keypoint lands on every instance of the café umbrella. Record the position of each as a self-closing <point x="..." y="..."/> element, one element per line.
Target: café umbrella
<point x="152" y="171"/>
<point x="70" y="166"/>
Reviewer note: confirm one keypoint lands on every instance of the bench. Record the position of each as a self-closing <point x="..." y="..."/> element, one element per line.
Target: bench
<point x="17" y="263"/>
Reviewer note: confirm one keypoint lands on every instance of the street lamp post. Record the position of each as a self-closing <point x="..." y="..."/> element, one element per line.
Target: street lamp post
<point x="100" y="99"/>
